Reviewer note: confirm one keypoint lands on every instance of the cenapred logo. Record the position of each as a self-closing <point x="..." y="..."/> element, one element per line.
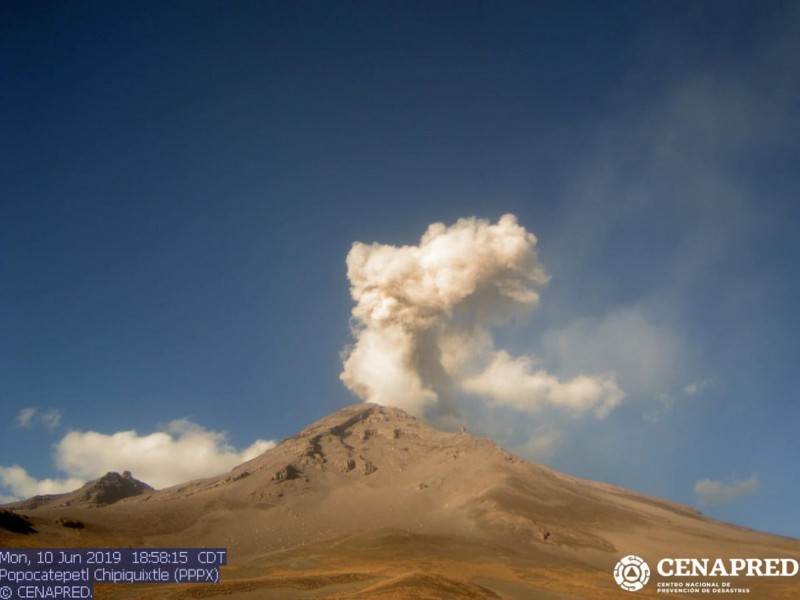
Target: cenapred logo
<point x="632" y="573"/>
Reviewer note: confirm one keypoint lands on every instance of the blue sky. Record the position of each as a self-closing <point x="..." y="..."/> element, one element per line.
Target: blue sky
<point x="181" y="183"/>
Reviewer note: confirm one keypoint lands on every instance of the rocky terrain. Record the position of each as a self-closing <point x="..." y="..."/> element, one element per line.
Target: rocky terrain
<point x="373" y="503"/>
<point x="110" y="488"/>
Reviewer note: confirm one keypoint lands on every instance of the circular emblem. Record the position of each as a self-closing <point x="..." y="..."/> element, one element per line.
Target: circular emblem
<point x="632" y="573"/>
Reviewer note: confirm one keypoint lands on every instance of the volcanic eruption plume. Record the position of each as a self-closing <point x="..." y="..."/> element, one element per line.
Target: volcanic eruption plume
<point x="424" y="316"/>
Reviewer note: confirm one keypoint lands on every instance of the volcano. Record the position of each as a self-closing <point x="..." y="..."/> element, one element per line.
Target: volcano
<point x="370" y="502"/>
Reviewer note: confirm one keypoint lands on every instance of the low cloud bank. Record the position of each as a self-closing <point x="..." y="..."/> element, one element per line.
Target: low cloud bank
<point x="183" y="451"/>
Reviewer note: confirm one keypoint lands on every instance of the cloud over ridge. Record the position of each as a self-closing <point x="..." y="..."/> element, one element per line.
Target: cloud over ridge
<point x="182" y="451"/>
<point x="712" y="493"/>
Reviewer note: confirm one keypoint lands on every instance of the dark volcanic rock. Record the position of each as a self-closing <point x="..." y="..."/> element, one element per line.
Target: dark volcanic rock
<point x="110" y="488"/>
<point x="286" y="473"/>
<point x="11" y="521"/>
<point x="70" y="523"/>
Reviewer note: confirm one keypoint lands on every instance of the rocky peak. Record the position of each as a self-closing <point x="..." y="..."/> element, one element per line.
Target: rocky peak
<point x="108" y="489"/>
<point x="111" y="487"/>
<point x="342" y="421"/>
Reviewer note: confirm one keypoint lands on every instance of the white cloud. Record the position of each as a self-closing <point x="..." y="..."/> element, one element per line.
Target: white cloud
<point x="696" y="387"/>
<point x="30" y="416"/>
<point x="710" y="493"/>
<point x="51" y="418"/>
<point x="21" y="485"/>
<point x="518" y="384"/>
<point x="183" y="451"/>
<point x="25" y="417"/>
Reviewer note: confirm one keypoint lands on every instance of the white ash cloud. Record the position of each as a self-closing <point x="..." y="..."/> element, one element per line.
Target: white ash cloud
<point x="423" y="324"/>
<point x="519" y="384"/>
<point x="627" y="341"/>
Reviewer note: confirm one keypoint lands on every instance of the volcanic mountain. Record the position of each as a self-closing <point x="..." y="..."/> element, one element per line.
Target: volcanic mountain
<point x="370" y="502"/>
<point x="111" y="487"/>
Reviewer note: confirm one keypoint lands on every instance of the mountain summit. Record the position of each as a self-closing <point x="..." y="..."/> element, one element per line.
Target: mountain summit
<point x="370" y="502"/>
<point x="108" y="489"/>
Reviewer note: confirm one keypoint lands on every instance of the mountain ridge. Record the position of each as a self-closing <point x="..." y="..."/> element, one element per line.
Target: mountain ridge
<point x="103" y="491"/>
<point x="379" y="497"/>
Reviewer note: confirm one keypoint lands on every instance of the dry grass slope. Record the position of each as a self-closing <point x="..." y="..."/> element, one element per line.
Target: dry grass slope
<point x="370" y="503"/>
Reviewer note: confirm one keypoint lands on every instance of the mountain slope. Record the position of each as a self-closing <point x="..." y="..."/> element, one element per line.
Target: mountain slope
<point x="370" y="502"/>
<point x="108" y="489"/>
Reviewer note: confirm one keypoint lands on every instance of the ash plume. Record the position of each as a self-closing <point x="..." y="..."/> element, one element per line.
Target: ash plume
<point x="424" y="316"/>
